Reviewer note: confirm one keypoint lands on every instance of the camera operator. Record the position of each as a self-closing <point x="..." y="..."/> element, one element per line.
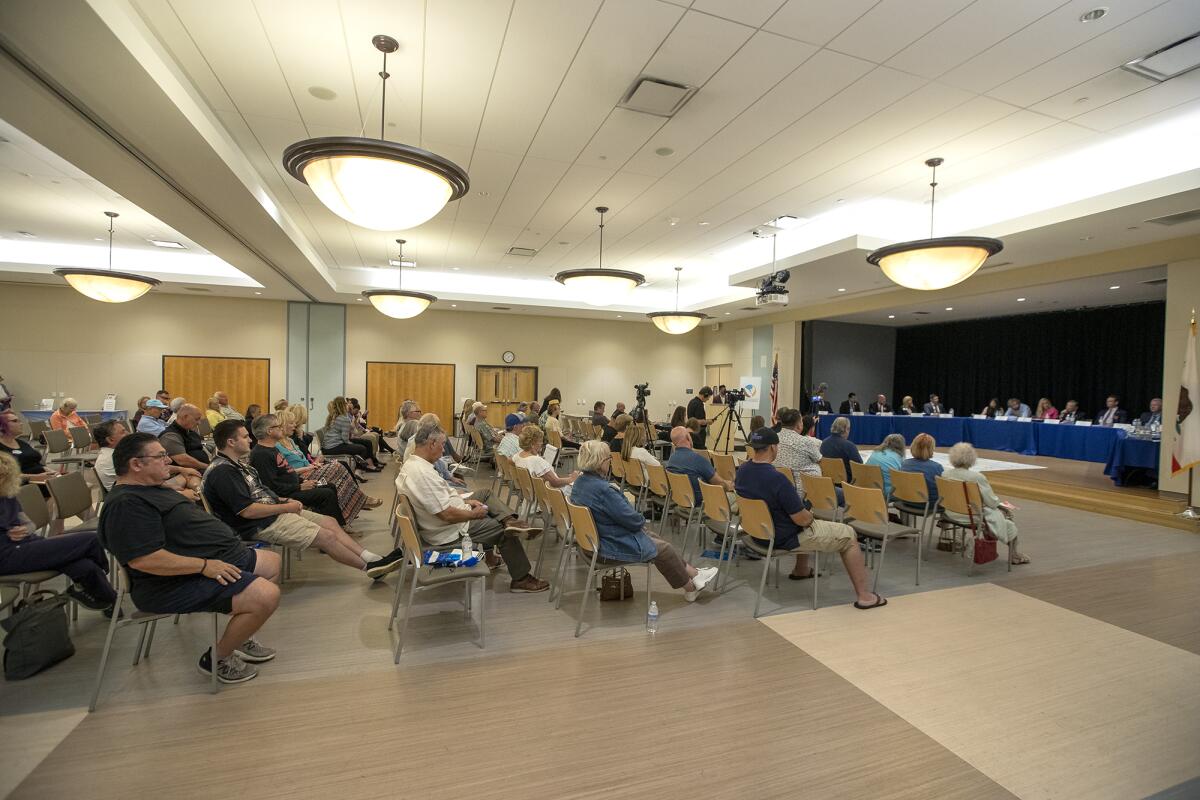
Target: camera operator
<point x="696" y="410"/>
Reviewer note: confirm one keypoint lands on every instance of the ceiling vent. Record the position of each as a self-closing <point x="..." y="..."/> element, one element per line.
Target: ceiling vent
<point x="501" y="308"/>
<point x="656" y="96"/>
<point x="1169" y="62"/>
<point x="748" y="309"/>
<point x="195" y="289"/>
<point x="1177" y="219"/>
<point x="526" y="252"/>
<point x="1155" y="282"/>
<point x="921" y="313"/>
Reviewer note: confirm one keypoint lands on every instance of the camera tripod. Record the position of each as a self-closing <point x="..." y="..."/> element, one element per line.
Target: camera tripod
<point x="727" y="414"/>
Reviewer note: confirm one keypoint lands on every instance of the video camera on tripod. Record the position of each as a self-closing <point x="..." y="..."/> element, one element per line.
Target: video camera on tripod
<point x="734" y="396"/>
<point x="643" y="391"/>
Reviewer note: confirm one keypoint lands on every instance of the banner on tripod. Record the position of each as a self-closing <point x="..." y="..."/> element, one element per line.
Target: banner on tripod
<point x="752" y="385"/>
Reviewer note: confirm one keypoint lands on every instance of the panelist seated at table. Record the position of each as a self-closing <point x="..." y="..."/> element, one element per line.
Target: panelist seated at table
<point x="906" y="406"/>
<point x="819" y="402"/>
<point x="934" y="406"/>
<point x="1071" y="413"/>
<point x="880" y="406"/>
<point x="1045" y="410"/>
<point x="992" y="408"/>
<point x="1154" y="415"/>
<point x="1016" y="408"/>
<point x="850" y="404"/>
<point x="1113" y="414"/>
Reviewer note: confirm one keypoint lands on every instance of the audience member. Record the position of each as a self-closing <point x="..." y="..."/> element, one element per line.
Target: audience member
<point x="227" y="411"/>
<point x="152" y="421"/>
<point x="406" y="422"/>
<point x="65" y="418"/>
<point x="618" y="410"/>
<point x="618" y="427"/>
<point x="598" y="418"/>
<point x="510" y="443"/>
<point x="278" y="476"/>
<point x="338" y="439"/>
<point x="992" y="409"/>
<point x="633" y="449"/>
<point x="888" y="456"/>
<point x="523" y="410"/>
<point x="182" y="442"/>
<point x="174" y="406"/>
<point x="622" y="529"/>
<point x="1071" y="413"/>
<point x="300" y="434"/>
<point x="164" y="397"/>
<point x="880" y="406"/>
<point x="33" y="469"/>
<point x="922" y="461"/>
<point x="997" y="515"/>
<point x="795" y="526"/>
<point x="554" y="395"/>
<point x="238" y="497"/>
<point x="280" y="405"/>
<point x="212" y="412"/>
<point x="442" y="465"/>
<point x="6" y="396"/>
<point x="529" y="457"/>
<point x="141" y="409"/>
<point x="694" y="430"/>
<point x="252" y="412"/>
<point x="551" y="422"/>
<point x="849" y="405"/>
<point x="363" y="428"/>
<point x="443" y="516"/>
<point x="108" y="434"/>
<point x="799" y="450"/>
<point x="757" y="421"/>
<point x="1154" y="415"/>
<point x="535" y="412"/>
<point x="79" y="556"/>
<point x="906" y="406"/>
<point x="686" y="461"/>
<point x="351" y="499"/>
<point x="696" y="410"/>
<point x="934" y="406"/>
<point x="183" y="560"/>
<point x="1016" y="408"/>
<point x="838" y="444"/>
<point x="1045" y="409"/>
<point x="1113" y="413"/>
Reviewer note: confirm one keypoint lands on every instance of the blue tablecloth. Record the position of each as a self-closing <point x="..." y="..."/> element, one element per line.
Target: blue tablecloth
<point x="1088" y="443"/>
<point x="1011" y="437"/>
<point x="1130" y="453"/>
<point x="869" y="429"/>
<point x="44" y="416"/>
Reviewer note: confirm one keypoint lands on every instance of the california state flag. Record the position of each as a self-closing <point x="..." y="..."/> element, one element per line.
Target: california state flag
<point x="1187" y="428"/>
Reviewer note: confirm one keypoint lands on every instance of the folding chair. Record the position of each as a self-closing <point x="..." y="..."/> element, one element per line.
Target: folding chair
<point x="81" y="438"/>
<point x="822" y="496"/>
<point x="73" y="498"/>
<point x="148" y="621"/>
<point x="656" y="482"/>
<point x="635" y="478"/>
<point x="427" y="577"/>
<point x="588" y="540"/>
<point x="556" y="501"/>
<point x="616" y="470"/>
<point x="910" y="497"/>
<point x="716" y="508"/>
<point x="869" y="518"/>
<point x="834" y="468"/>
<point x="529" y="503"/>
<point x="683" y="496"/>
<point x="964" y="499"/>
<point x="724" y="465"/>
<point x="758" y="528"/>
<point x="57" y="444"/>
<point x="868" y="476"/>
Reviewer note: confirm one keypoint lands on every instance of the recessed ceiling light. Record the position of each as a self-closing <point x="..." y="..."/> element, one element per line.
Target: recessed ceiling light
<point x="27" y="234"/>
<point x="1114" y="287"/>
<point x="949" y="308"/>
<point x="322" y="92"/>
<point x="1081" y="100"/>
<point x="456" y="269"/>
<point x="165" y="243"/>
<point x="98" y="239"/>
<point x="727" y="313"/>
<point x="891" y="316"/>
<point x="841" y="290"/>
<point x="1020" y="299"/>
<point x="672" y="221"/>
<point x="702" y="224"/>
<point x="404" y="262"/>
<point x="618" y="316"/>
<point x="258" y="292"/>
<point x="1094" y="14"/>
<point x="484" y="194"/>
<point x="359" y="299"/>
<point x="664" y="151"/>
<point x="454" y="305"/>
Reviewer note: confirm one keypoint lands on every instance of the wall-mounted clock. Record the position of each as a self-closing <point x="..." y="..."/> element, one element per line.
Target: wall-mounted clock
<point x="509" y="356"/>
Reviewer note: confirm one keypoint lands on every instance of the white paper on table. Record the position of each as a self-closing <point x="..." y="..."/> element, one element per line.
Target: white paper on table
<point x="47" y="404"/>
<point x="110" y="402"/>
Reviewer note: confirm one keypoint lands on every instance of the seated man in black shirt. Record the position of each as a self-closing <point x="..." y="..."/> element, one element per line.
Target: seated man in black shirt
<point x="850" y="404"/>
<point x="181" y="559"/>
<point x="838" y="444"/>
<point x="598" y="418"/>
<point x="281" y="479"/>
<point x="182" y="442"/>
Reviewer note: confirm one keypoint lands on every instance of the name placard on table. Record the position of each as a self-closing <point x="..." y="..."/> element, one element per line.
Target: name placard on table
<point x="1024" y="419"/>
<point x="1050" y="421"/>
<point x="885" y="414"/>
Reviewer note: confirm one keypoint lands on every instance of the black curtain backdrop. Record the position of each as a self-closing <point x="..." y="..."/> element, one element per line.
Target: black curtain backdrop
<point x="1082" y="355"/>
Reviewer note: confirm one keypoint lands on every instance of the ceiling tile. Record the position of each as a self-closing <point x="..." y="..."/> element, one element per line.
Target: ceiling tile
<point x="817" y="21"/>
<point x="697" y="47"/>
<point x="535" y="179"/>
<point x="747" y="12"/>
<point x="1099" y="91"/>
<point x="892" y="25"/>
<point x="1157" y="97"/>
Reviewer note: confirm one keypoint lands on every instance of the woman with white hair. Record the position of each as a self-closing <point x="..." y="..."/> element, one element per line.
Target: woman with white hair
<point x="529" y="457"/>
<point x="621" y="527"/>
<point x="888" y="456"/>
<point x="999" y="520"/>
<point x="65" y="417"/>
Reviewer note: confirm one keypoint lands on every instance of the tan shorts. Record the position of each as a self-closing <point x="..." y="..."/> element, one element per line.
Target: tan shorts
<point x="292" y="530"/>
<point x="827" y="537"/>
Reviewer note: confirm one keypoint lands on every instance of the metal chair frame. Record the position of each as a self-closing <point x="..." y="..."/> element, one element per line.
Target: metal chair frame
<point x="588" y="540"/>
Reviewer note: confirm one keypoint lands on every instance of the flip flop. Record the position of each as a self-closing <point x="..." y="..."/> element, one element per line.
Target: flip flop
<point x="1023" y="559"/>
<point x="792" y="577"/>
<point x="880" y="600"/>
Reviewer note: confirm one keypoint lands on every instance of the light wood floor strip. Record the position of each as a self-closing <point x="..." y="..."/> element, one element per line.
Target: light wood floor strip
<point x="1156" y="597"/>
<point x="1047" y="702"/>
<point x="736" y="712"/>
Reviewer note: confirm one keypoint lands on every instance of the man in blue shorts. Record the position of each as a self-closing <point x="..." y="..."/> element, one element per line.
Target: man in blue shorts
<point x="181" y="559"/>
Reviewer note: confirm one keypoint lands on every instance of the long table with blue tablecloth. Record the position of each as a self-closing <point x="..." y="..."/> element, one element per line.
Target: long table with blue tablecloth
<point x="1112" y="447"/>
<point x="44" y="416"/>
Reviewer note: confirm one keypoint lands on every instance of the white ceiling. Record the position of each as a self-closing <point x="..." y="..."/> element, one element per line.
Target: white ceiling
<point x="804" y="107"/>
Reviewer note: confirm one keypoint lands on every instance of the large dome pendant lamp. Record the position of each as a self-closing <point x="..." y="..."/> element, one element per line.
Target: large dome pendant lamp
<point x="374" y="183"/>
<point x="107" y="286"/>
<point x="934" y="263"/>
<point x="600" y="286"/>
<point x="676" y="322"/>
<point x="398" y="303"/>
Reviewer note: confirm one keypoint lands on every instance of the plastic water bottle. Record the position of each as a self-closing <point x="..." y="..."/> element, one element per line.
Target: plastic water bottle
<point x="467" y="547"/>
<point x="652" y="617"/>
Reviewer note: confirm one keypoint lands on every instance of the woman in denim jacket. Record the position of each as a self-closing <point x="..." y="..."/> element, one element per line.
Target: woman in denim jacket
<point x="621" y="527"/>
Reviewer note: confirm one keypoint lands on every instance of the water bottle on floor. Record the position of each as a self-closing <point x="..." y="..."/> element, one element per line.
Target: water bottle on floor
<point x="652" y="617"/>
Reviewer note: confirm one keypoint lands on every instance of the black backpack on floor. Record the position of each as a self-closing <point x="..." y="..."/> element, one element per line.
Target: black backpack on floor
<point x="37" y="635"/>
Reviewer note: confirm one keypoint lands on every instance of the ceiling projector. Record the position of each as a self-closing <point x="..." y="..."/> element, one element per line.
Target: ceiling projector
<point x="773" y="289"/>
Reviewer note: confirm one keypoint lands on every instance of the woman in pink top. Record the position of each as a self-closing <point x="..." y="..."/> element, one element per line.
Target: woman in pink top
<point x="65" y="417"/>
<point x="1045" y="410"/>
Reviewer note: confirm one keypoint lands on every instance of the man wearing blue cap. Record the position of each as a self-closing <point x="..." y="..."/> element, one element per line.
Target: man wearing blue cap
<point x="152" y="421"/>
<point x="510" y="445"/>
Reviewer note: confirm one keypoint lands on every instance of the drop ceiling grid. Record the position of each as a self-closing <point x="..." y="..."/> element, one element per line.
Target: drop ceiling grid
<point x="1159" y="100"/>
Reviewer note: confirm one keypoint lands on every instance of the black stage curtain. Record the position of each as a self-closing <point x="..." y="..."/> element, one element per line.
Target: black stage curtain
<point x="1082" y="355"/>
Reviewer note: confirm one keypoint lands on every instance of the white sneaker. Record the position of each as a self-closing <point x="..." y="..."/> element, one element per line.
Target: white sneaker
<point x="702" y="578"/>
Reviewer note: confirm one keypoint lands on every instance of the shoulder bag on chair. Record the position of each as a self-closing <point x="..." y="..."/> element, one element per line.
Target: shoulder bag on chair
<point x="616" y="584"/>
<point x="37" y="635"/>
<point x="985" y="542"/>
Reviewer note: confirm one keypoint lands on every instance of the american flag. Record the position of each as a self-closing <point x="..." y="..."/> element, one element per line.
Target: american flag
<point x="775" y="388"/>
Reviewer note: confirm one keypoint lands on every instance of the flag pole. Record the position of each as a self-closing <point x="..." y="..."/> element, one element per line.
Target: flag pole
<point x="1191" y="512"/>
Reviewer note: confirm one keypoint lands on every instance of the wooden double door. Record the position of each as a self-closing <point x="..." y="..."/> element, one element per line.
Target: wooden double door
<point x="503" y="388"/>
<point x="390" y="383"/>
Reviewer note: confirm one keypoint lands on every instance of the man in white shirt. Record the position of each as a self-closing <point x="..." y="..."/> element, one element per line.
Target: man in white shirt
<point x="107" y="434"/>
<point x="1017" y="409"/>
<point x="510" y="445"/>
<point x="227" y="411"/>
<point x="443" y="516"/>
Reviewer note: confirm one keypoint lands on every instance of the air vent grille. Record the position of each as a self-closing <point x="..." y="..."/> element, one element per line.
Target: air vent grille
<point x="656" y="96"/>
<point x="501" y="308"/>
<point x="1155" y="282"/>
<point x="195" y="289"/>
<point x="1177" y="219"/>
<point x="526" y="252"/>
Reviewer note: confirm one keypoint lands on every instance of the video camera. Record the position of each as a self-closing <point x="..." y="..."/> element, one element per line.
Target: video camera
<point x="734" y="396"/>
<point x="643" y="390"/>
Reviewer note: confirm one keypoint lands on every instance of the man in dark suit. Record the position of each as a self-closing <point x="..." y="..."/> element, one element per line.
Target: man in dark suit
<point x="1071" y="413"/>
<point x="818" y="402"/>
<point x="1113" y="413"/>
<point x="850" y="404"/>
<point x="934" y="406"/>
<point x="880" y="406"/>
<point x="1154" y="415"/>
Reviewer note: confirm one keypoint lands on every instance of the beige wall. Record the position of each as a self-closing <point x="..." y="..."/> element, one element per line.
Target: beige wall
<point x="588" y="360"/>
<point x="57" y="340"/>
<point x="1183" y="295"/>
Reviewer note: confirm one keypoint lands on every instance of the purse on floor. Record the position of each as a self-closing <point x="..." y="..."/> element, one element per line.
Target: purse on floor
<point x="985" y="542"/>
<point x="616" y="584"/>
<point x="37" y="635"/>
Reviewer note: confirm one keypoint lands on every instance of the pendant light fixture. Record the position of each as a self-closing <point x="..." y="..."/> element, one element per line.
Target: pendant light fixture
<point x="398" y="303"/>
<point x="676" y="322"/>
<point x="934" y="263"/>
<point x="374" y="183"/>
<point x="107" y="286"/>
<point x="600" y="286"/>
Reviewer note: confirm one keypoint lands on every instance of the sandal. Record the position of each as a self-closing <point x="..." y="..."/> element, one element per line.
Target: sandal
<point x="1019" y="560"/>
<point x="373" y="502"/>
<point x="794" y="577"/>
<point x="880" y="600"/>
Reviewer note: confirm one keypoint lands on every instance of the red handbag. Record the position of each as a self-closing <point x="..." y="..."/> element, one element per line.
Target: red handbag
<point x="985" y="543"/>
